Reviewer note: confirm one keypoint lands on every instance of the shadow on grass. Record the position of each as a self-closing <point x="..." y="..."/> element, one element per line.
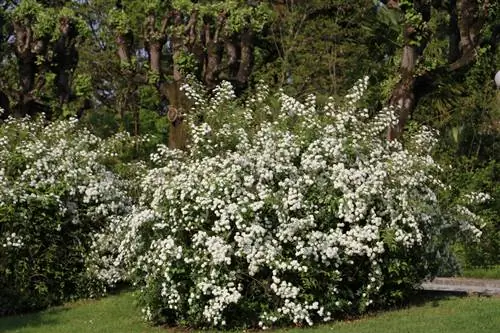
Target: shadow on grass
<point x="53" y="317"/>
<point x="420" y="298"/>
<point x="57" y="318"/>
<point x="37" y="319"/>
<point x="433" y="297"/>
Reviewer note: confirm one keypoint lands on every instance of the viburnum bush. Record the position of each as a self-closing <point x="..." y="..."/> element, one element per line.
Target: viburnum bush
<point x="56" y="193"/>
<point x="284" y="212"/>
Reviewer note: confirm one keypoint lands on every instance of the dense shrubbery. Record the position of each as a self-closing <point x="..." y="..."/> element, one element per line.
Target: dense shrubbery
<point x="55" y="193"/>
<point x="470" y="175"/>
<point x="283" y="212"/>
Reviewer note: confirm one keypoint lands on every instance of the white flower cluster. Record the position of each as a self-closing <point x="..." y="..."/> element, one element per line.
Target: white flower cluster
<point x="53" y="179"/>
<point x="13" y="240"/>
<point x="306" y="205"/>
<point x="477" y="198"/>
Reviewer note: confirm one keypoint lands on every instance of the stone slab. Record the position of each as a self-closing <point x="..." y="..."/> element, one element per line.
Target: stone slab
<point x="463" y="285"/>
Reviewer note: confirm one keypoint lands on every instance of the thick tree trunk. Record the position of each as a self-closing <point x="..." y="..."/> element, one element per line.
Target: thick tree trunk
<point x="25" y="57"/>
<point x="403" y="97"/>
<point x="34" y="63"/>
<point x="454" y="34"/>
<point x="232" y="52"/>
<point x="123" y="42"/>
<point x="26" y="49"/>
<point x="127" y="99"/>
<point x="466" y="22"/>
<point x="183" y="42"/>
<point x="213" y="43"/>
<point x="66" y="60"/>
<point x="246" y="57"/>
<point x="155" y="58"/>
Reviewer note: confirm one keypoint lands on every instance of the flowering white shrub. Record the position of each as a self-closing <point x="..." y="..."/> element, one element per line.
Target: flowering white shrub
<point x="55" y="193"/>
<point x="284" y="212"/>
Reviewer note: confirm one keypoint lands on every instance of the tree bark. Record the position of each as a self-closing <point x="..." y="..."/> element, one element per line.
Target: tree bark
<point x="25" y="57"/>
<point x="127" y="97"/>
<point x="213" y="43"/>
<point x="123" y="42"/>
<point x="66" y="59"/>
<point x="403" y="95"/>
<point x="246" y="57"/>
<point x="454" y="34"/>
<point x="182" y="40"/>
<point x="466" y="20"/>
<point x="26" y="49"/>
<point x="470" y="22"/>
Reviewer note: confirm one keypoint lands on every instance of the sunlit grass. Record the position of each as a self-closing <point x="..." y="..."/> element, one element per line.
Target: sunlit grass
<point x="482" y="273"/>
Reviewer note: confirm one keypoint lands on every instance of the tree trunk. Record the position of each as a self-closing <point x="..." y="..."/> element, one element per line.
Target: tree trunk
<point x="454" y="34"/>
<point x="246" y="58"/>
<point x="123" y="42"/>
<point x="232" y="57"/>
<point x="65" y="60"/>
<point x="182" y="43"/>
<point x="466" y="22"/>
<point x="403" y="95"/>
<point x="25" y="57"/>
<point x="26" y="49"/>
<point x="470" y="23"/>
<point x="213" y="43"/>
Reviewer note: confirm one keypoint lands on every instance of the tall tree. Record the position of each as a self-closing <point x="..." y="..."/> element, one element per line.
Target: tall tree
<point x="465" y="25"/>
<point x="213" y="40"/>
<point x="43" y="36"/>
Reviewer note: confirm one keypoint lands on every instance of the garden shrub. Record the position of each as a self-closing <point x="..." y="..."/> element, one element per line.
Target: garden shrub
<point x="284" y="212"/>
<point x="471" y="175"/>
<point x="56" y="192"/>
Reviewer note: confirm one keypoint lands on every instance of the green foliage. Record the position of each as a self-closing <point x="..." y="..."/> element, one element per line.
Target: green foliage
<point x="282" y="212"/>
<point x="55" y="192"/>
<point x="187" y="62"/>
<point x="119" y="20"/>
<point x="45" y="20"/>
<point x="322" y="47"/>
<point x="83" y="85"/>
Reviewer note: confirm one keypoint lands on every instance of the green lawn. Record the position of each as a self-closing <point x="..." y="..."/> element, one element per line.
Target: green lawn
<point x="117" y="314"/>
<point x="482" y="273"/>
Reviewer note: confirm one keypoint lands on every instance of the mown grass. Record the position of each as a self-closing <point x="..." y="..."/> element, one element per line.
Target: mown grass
<point x="118" y="313"/>
<point x="482" y="273"/>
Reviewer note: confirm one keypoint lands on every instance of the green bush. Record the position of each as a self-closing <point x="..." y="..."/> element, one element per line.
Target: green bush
<point x="55" y="193"/>
<point x="284" y="212"/>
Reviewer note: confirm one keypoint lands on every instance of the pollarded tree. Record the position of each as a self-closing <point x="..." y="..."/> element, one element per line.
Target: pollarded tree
<point x="213" y="40"/>
<point x="43" y="37"/>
